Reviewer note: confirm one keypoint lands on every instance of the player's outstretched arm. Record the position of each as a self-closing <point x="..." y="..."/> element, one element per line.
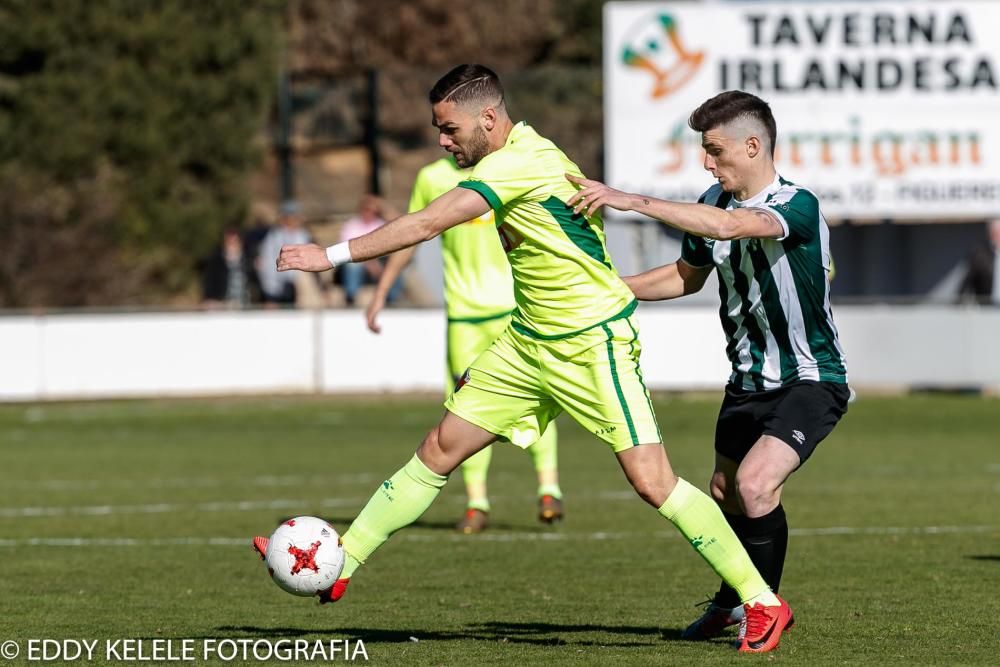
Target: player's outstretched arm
<point x="397" y="262"/>
<point x="698" y="219"/>
<point x="450" y="209"/>
<point x="667" y="282"/>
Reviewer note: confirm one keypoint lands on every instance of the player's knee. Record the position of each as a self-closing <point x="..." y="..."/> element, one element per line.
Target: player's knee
<point x="717" y="487"/>
<point x="440" y="451"/>
<point x="651" y="489"/>
<point x="755" y="491"/>
<point x="432" y="441"/>
<point x="725" y="496"/>
<point x="430" y="451"/>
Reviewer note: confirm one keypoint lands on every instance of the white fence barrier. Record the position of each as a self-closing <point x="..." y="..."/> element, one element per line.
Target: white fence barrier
<point x="178" y="354"/>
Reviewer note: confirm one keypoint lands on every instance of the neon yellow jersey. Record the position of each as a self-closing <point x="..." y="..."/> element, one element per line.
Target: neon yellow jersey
<point x="477" y="280"/>
<point x="564" y="281"/>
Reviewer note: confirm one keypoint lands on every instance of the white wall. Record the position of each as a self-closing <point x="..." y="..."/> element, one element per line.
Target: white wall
<point x="175" y="354"/>
<point x="936" y="346"/>
<point x="93" y="356"/>
<point x="407" y="356"/>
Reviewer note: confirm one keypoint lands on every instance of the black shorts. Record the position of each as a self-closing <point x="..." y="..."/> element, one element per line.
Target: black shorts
<point x="801" y="415"/>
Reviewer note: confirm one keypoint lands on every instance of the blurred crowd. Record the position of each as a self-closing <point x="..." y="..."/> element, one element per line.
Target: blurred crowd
<point x="241" y="271"/>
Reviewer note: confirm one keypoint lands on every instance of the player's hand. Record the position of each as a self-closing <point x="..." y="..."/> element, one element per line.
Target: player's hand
<point x="594" y="194"/>
<point x="374" y="308"/>
<point x="305" y="257"/>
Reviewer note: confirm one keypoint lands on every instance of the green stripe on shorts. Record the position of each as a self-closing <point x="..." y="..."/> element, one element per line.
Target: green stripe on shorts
<point x="618" y="386"/>
<point x="638" y="372"/>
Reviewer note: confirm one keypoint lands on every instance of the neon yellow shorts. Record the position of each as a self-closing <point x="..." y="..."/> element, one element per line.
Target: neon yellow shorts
<point x="520" y="384"/>
<point x="467" y="339"/>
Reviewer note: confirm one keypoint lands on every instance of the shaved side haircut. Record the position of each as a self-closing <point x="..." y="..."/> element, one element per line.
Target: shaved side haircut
<point x="469" y="85"/>
<point x="735" y="105"/>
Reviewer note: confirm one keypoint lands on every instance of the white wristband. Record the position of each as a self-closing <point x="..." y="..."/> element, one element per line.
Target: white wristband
<point x="339" y="254"/>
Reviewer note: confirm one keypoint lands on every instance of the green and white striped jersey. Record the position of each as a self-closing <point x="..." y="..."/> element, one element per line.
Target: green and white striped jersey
<point x="775" y="293"/>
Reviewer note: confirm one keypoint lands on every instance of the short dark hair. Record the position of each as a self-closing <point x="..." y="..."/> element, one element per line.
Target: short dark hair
<point x="730" y="105"/>
<point x="469" y="83"/>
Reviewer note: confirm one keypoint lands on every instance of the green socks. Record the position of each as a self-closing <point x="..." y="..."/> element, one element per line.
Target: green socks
<point x="701" y="522"/>
<point x="398" y="502"/>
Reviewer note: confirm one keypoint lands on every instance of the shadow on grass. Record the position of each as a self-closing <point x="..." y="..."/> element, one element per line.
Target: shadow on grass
<point x="993" y="557"/>
<point x="494" y="526"/>
<point x="541" y="634"/>
<point x="341" y="523"/>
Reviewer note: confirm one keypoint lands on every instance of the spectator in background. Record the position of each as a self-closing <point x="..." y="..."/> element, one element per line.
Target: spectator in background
<point x="278" y="289"/>
<point x="372" y="214"/>
<point x="227" y="274"/>
<point x="982" y="281"/>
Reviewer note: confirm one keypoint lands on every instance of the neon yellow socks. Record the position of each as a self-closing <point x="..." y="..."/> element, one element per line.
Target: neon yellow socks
<point x="474" y="471"/>
<point x="544" y="455"/>
<point x="398" y="502"/>
<point x="701" y="522"/>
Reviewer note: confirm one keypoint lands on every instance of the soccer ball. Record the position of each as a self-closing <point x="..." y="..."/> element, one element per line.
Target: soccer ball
<point x="304" y="556"/>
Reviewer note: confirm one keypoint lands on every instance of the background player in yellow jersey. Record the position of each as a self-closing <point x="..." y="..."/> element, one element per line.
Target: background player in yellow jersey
<point x="572" y="344"/>
<point x="479" y="298"/>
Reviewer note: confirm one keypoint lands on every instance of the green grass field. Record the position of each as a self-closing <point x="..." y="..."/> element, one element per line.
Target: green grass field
<point x="132" y="519"/>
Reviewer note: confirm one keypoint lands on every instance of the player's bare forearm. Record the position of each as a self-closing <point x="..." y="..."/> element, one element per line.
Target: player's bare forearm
<point x="450" y="209"/>
<point x="403" y="232"/>
<point x="709" y="221"/>
<point x="396" y="235"/>
<point x="390" y="273"/>
<point x="657" y="284"/>
<point x="667" y="282"/>
<point x="698" y="219"/>
<point x="400" y="233"/>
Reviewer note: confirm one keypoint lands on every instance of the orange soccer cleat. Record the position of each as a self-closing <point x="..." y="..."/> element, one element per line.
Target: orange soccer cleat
<point x="260" y="546"/>
<point x="335" y="592"/>
<point x="550" y="509"/>
<point x="762" y="626"/>
<point x="474" y="521"/>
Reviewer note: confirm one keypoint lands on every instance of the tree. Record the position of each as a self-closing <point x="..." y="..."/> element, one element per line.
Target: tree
<point x="128" y="129"/>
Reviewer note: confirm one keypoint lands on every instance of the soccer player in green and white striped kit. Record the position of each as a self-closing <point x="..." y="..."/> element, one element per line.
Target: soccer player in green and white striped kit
<point x="769" y="244"/>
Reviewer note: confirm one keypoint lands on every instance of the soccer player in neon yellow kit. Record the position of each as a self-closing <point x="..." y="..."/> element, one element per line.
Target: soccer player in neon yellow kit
<point x="572" y="344"/>
<point x="479" y="298"/>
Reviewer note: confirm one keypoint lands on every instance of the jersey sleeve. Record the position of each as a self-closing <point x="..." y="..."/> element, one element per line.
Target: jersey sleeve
<point x="799" y="216"/>
<point x="695" y="251"/>
<point x="500" y="178"/>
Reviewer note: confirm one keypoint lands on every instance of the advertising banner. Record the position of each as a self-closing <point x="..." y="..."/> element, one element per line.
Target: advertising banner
<point x="884" y="109"/>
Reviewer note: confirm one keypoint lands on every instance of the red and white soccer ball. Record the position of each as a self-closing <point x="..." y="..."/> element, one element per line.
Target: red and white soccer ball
<point x="304" y="556"/>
